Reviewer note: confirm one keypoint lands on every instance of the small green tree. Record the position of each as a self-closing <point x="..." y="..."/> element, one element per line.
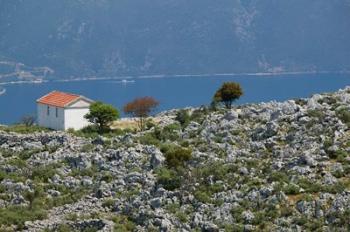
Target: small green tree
<point x="228" y="93"/>
<point x="183" y="117"/>
<point x="102" y="115"/>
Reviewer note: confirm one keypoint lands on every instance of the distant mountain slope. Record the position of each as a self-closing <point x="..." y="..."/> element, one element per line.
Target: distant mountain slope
<point x="109" y="37"/>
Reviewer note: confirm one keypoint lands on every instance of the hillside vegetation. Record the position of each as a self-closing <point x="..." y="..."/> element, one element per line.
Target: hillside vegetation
<point x="276" y="166"/>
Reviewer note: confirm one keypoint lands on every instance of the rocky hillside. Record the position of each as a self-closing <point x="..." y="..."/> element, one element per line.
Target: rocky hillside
<point x="261" y="167"/>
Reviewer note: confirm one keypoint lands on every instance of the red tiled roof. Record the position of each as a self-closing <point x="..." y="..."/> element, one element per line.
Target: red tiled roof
<point x="58" y="99"/>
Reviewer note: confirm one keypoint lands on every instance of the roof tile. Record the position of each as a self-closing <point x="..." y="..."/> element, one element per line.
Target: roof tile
<point x="58" y="99"/>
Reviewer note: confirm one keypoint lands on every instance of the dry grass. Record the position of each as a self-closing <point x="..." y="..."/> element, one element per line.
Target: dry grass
<point x="130" y="123"/>
<point x="125" y="123"/>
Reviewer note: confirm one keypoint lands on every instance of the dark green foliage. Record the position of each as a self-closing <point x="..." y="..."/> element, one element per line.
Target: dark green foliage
<point x="159" y="135"/>
<point x="91" y="171"/>
<point x="278" y="177"/>
<point x="102" y="115"/>
<point x="168" y="178"/>
<point x="228" y="93"/>
<point x="327" y="143"/>
<point x="344" y="115"/>
<point x="108" y="203"/>
<point x="23" y="129"/>
<point x="149" y="139"/>
<point x="328" y="100"/>
<point x="291" y="189"/>
<point x="43" y="173"/>
<point x="202" y="196"/>
<point x="123" y="224"/>
<point x="309" y="186"/>
<point x="17" y="215"/>
<point x="169" y="132"/>
<point x="338" y="155"/>
<point x="177" y="156"/>
<point x="93" y="131"/>
<point x="198" y="115"/>
<point x="316" y="114"/>
<point x="183" y="117"/>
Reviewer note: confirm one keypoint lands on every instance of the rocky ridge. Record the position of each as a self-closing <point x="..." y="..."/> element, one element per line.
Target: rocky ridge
<point x="279" y="166"/>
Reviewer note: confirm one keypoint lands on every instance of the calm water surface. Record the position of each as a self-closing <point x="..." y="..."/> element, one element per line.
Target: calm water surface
<point x="173" y="92"/>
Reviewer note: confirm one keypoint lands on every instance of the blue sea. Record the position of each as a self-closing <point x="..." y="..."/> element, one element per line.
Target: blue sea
<point x="172" y="92"/>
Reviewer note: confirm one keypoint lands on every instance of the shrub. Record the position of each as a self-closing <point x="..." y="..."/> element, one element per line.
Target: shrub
<point x="149" y="139"/>
<point x="202" y="196"/>
<point x="339" y="155"/>
<point x="123" y="224"/>
<point x="23" y="129"/>
<point x="177" y="157"/>
<point x="64" y="228"/>
<point x="18" y="215"/>
<point x="291" y="189"/>
<point x="168" y="178"/>
<point x="43" y="173"/>
<point x="344" y="116"/>
<point x="183" y="117"/>
<point x="198" y="115"/>
<point x="315" y="114"/>
<point x="87" y="148"/>
<point x="278" y="177"/>
<point x="169" y="132"/>
<point x="108" y="203"/>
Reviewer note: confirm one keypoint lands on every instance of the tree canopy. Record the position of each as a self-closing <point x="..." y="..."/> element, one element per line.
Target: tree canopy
<point x="228" y="93"/>
<point x="141" y="108"/>
<point x="102" y="115"/>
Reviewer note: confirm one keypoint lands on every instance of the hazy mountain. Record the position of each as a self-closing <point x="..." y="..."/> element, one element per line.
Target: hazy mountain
<point x="135" y="37"/>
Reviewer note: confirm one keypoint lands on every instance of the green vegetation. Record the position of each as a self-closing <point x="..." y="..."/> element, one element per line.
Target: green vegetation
<point x="94" y="132"/>
<point x="18" y="215"/>
<point x="183" y="117"/>
<point x="123" y="224"/>
<point x="177" y="156"/>
<point x="102" y="115"/>
<point x="23" y="129"/>
<point x="316" y="114"/>
<point x="228" y="93"/>
<point x="344" y="115"/>
<point x="169" y="178"/>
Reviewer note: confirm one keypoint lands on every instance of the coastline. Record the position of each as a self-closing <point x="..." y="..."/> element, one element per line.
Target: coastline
<point x="160" y="76"/>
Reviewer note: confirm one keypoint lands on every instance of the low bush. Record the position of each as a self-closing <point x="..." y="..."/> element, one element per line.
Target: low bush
<point x="201" y="196"/>
<point x="315" y="114"/>
<point x="93" y="131"/>
<point x="291" y="189"/>
<point x="149" y="139"/>
<point x="18" y="215"/>
<point x="44" y="172"/>
<point x="23" y="129"/>
<point x="183" y="117"/>
<point x="108" y="203"/>
<point x="199" y="115"/>
<point x="177" y="156"/>
<point x="344" y="116"/>
<point x="123" y="224"/>
<point x="168" y="178"/>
